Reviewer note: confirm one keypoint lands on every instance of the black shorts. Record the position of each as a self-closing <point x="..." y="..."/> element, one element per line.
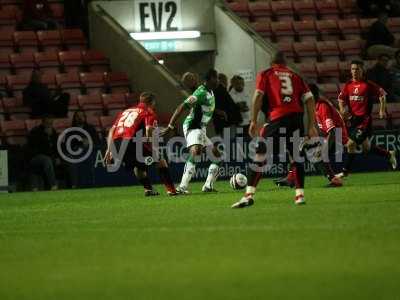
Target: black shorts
<point x="282" y="131"/>
<point x="134" y="157"/>
<point x="360" y="129"/>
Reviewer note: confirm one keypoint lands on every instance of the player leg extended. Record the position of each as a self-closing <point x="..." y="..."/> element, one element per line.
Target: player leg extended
<point x="213" y="170"/>
<point x="189" y="171"/>
<point x="165" y="177"/>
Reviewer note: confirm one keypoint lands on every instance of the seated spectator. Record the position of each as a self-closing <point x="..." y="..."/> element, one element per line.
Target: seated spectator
<point x="379" y="74"/>
<point x="394" y="72"/>
<point x="37" y="15"/>
<point x="379" y="39"/>
<point x="226" y="113"/>
<point x="43" y="155"/>
<point x="242" y="100"/>
<point x="38" y="97"/>
<point x="190" y="81"/>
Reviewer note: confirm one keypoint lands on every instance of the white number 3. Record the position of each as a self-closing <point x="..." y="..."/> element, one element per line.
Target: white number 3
<point x="286" y="88"/>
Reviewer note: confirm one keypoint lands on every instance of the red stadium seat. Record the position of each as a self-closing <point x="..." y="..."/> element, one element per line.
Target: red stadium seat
<point x="96" y="61"/>
<point x="283" y="31"/>
<point x="328" y="51"/>
<point x="17" y="83"/>
<point x="49" y="79"/>
<point x="8" y="19"/>
<point x="287" y="49"/>
<point x="16" y="109"/>
<point x="47" y="62"/>
<point x="71" y="61"/>
<point x="6" y="41"/>
<point x="351" y="49"/>
<point x="305" y="30"/>
<point x="305" y="51"/>
<point x="73" y="39"/>
<point x="264" y="29"/>
<point x="328" y="72"/>
<point x="94" y="120"/>
<point x="93" y="83"/>
<point x="328" y="30"/>
<point x="241" y="9"/>
<point x="118" y="82"/>
<point x="344" y="69"/>
<point x="32" y="123"/>
<point x="50" y="40"/>
<point x="348" y="8"/>
<point x="260" y="11"/>
<point x="5" y="64"/>
<point x="26" y="41"/>
<point x="69" y="83"/>
<point x="328" y="9"/>
<point x="305" y="9"/>
<point x="92" y="105"/>
<point x="58" y="11"/>
<point x="106" y="122"/>
<point x="73" y="105"/>
<point x="394" y="25"/>
<point x="307" y="70"/>
<point x="350" y="29"/>
<point x="330" y="90"/>
<point x="132" y="98"/>
<point x="22" y="63"/>
<point x="114" y="103"/>
<point x="282" y="10"/>
<point x="61" y="124"/>
<point x="14" y="132"/>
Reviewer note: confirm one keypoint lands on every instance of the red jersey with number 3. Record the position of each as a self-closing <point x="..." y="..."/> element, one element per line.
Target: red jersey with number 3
<point x="284" y="90"/>
<point x="133" y="119"/>
<point x="329" y="118"/>
<point x="359" y="97"/>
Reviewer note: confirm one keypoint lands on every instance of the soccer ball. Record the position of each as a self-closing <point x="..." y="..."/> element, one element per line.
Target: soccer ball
<point x="238" y="181"/>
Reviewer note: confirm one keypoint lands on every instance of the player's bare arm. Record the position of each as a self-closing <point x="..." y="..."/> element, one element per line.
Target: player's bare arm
<point x="171" y="125"/>
<point x="312" y="130"/>
<point x="108" y="155"/>
<point x="255" y="110"/>
<point x="382" y="108"/>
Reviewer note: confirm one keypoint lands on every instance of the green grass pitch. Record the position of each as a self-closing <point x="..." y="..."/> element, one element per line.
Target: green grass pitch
<point x="113" y="243"/>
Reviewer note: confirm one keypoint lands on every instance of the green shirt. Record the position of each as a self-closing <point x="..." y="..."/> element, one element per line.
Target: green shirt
<point x="202" y="105"/>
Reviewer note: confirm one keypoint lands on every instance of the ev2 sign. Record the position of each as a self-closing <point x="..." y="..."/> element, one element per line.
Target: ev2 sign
<point x="157" y="15"/>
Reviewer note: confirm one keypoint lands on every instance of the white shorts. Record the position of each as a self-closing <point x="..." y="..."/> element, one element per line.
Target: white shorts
<point x="197" y="137"/>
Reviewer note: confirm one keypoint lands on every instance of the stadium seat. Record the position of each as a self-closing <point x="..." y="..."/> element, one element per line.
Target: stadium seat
<point x="328" y="51"/>
<point x="26" y="41"/>
<point x="93" y="83"/>
<point x="305" y="9"/>
<point x="305" y="51"/>
<point x="330" y="90"/>
<point x="106" y="122"/>
<point x="49" y="40"/>
<point x="351" y="49"/>
<point x="132" y="98"/>
<point x="328" y="72"/>
<point x="69" y="83"/>
<point x="71" y="61"/>
<point x="3" y="84"/>
<point x="260" y="11"/>
<point x="263" y="29"/>
<point x="49" y="79"/>
<point x="394" y="25"/>
<point x="94" y="120"/>
<point x="307" y="70"/>
<point x="365" y="24"/>
<point x="114" y="103"/>
<point x="5" y="64"/>
<point x="328" y="30"/>
<point x="15" y="108"/>
<point x="283" y="31"/>
<point x="350" y="29"/>
<point x="61" y="124"/>
<point x="96" y="61"/>
<point x="287" y="48"/>
<point x="17" y="83"/>
<point x="305" y="30"/>
<point x="32" y="123"/>
<point x="92" y="105"/>
<point x="328" y="9"/>
<point x="241" y="9"/>
<point x="14" y="132"/>
<point x="348" y="9"/>
<point x="73" y="105"/>
<point x="8" y="19"/>
<point x="6" y="41"/>
<point x="282" y="10"/>
<point x="47" y="62"/>
<point x="58" y="11"/>
<point x="118" y="82"/>
<point x="73" y="39"/>
<point x="22" y="63"/>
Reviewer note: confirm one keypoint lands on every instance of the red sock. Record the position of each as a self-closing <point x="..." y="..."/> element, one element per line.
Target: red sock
<point x="166" y="179"/>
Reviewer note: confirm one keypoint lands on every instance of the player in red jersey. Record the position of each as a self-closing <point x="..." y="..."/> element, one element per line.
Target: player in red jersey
<point x="286" y="94"/>
<point x="141" y="118"/>
<point x="330" y="122"/>
<point x="356" y="102"/>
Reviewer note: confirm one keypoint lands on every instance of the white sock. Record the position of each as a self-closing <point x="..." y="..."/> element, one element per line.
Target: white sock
<point x="250" y="190"/>
<point x="213" y="172"/>
<point x="299" y="192"/>
<point x="188" y="173"/>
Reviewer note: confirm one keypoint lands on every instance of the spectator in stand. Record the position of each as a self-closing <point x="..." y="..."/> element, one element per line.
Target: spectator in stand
<point x="394" y="72"/>
<point x="379" y="39"/>
<point x="42" y="153"/>
<point x="190" y="81"/>
<point x="76" y="14"/>
<point x="226" y="113"/>
<point x="37" y="15"/>
<point x="242" y="100"/>
<point x="371" y="8"/>
<point x="379" y="74"/>
<point x="38" y="97"/>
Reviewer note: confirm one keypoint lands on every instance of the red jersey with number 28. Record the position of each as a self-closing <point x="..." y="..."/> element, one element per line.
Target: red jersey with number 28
<point x="359" y="96"/>
<point x="328" y="118"/>
<point x="284" y="90"/>
<point x="133" y="119"/>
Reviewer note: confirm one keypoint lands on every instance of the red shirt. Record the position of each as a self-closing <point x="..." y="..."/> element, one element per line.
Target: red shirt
<point x="359" y="96"/>
<point x="284" y="90"/>
<point x="329" y="118"/>
<point x="133" y="119"/>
